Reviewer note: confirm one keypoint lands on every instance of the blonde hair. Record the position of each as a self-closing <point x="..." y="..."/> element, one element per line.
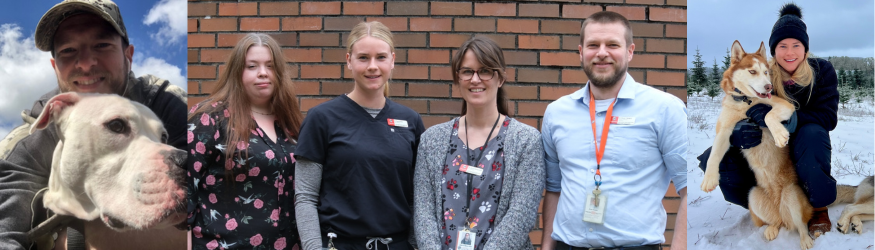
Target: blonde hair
<point x="373" y="29"/>
<point x="804" y="76"/>
<point x="231" y="94"/>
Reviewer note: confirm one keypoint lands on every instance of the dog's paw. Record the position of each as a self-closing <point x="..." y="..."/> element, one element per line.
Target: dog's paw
<point x="782" y="137"/>
<point x="856" y="224"/>
<point x="805" y="242"/>
<point x="843" y="224"/>
<point x="771" y="232"/>
<point x="710" y="182"/>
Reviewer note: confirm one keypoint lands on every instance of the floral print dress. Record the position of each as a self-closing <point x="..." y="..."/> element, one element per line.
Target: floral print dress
<point x="485" y="192"/>
<point x="249" y="209"/>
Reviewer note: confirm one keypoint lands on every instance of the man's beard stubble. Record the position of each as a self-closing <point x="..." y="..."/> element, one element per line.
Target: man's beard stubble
<point x="605" y="82"/>
<point x="118" y="85"/>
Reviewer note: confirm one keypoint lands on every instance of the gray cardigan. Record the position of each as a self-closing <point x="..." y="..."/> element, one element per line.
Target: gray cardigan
<point x="521" y="192"/>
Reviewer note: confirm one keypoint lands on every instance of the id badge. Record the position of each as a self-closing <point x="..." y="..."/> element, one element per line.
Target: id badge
<point x="595" y="208"/>
<point x="397" y="123"/>
<point x="465" y="240"/>
<point x="470" y="169"/>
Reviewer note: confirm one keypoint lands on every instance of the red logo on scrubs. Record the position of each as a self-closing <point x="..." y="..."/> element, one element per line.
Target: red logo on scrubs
<point x="391" y="122"/>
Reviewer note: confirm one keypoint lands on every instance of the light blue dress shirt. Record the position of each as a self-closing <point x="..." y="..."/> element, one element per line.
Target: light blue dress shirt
<point x="640" y="160"/>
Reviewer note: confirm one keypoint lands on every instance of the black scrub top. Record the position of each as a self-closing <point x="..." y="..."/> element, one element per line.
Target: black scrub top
<point x="367" y="166"/>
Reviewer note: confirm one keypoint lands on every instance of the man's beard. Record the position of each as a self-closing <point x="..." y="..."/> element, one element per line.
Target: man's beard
<point x="607" y="81"/>
<point x="118" y="84"/>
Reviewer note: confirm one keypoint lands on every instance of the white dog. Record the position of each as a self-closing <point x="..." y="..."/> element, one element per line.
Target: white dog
<point x="111" y="163"/>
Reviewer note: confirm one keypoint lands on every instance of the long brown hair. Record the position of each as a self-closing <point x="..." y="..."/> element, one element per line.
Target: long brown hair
<point x="231" y="94"/>
<point x="488" y="54"/>
<point x="376" y="30"/>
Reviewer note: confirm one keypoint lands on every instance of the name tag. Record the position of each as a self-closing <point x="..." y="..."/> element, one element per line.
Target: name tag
<point x="471" y="169"/>
<point x="397" y="123"/>
<point x="622" y="120"/>
<point x="594" y="211"/>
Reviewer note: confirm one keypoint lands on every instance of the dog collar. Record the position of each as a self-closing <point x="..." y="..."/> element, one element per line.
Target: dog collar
<point x="741" y="98"/>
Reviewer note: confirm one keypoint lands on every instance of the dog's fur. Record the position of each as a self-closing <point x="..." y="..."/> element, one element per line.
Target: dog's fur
<point x="861" y="207"/>
<point x="111" y="163"/>
<point x="777" y="200"/>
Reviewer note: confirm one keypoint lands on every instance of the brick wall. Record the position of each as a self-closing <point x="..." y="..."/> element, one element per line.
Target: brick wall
<point x="539" y="39"/>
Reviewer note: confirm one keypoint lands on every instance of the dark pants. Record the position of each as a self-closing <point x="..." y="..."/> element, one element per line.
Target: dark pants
<point x="810" y="151"/>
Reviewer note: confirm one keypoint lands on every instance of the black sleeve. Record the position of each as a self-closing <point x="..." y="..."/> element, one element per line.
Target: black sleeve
<point x="822" y="108"/>
<point x="24" y="172"/>
<point x="172" y="112"/>
<point x="313" y="139"/>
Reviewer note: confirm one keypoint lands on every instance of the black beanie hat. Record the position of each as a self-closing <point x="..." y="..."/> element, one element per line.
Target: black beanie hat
<point x="789" y="25"/>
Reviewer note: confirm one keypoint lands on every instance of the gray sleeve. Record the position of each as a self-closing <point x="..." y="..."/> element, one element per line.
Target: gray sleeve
<point x="426" y="223"/>
<point x="308" y="178"/>
<point x="512" y="232"/>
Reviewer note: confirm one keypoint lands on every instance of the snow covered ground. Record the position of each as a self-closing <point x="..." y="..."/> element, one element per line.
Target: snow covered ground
<point x="714" y="223"/>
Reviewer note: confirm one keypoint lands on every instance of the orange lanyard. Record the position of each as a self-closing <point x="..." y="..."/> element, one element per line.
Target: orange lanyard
<point x="599" y="147"/>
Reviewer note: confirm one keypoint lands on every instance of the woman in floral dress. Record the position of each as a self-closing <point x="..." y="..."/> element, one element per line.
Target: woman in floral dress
<point x="241" y="142"/>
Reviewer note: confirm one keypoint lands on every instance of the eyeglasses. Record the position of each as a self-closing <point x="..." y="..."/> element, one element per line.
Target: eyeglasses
<point x="484" y="74"/>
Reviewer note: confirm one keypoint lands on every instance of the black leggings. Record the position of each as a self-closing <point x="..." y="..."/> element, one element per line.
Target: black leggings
<point x="810" y="151"/>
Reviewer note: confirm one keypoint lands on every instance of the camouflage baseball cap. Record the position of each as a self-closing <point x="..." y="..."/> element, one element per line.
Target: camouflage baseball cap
<point x="48" y="24"/>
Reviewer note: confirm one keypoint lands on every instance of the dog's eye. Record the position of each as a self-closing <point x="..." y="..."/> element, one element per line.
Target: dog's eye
<point x="164" y="138"/>
<point x="117" y="126"/>
<point x="752" y="72"/>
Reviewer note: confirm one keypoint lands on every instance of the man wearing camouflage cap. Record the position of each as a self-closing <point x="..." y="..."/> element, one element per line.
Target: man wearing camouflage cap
<point x="90" y="54"/>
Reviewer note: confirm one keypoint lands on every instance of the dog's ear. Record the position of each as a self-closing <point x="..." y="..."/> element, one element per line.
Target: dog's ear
<point x="762" y="51"/>
<point x="737" y="52"/>
<point x="53" y="109"/>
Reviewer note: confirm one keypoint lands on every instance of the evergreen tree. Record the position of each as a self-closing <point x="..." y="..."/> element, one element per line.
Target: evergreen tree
<point x="698" y="79"/>
<point x="713" y="87"/>
<point x="726" y="60"/>
<point x="842" y="77"/>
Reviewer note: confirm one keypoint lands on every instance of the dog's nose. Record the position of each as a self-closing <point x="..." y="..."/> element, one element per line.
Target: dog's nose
<point x="768" y="88"/>
<point x="178" y="157"/>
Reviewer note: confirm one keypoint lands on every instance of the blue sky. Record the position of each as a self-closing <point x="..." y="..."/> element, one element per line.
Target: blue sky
<point x="156" y="28"/>
<point x="835" y="28"/>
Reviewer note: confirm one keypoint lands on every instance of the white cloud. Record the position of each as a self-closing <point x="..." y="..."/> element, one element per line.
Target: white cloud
<point x="26" y="73"/>
<point x="160" y="68"/>
<point x="4" y="130"/>
<point x="171" y="15"/>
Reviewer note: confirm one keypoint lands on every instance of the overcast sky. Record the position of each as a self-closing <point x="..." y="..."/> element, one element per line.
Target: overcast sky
<point x="156" y="28"/>
<point x="835" y="28"/>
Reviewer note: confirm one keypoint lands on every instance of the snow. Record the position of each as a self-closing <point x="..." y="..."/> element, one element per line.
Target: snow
<point x="714" y="223"/>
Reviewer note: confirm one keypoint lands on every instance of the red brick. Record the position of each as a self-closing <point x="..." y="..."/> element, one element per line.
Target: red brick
<point x="409" y="40"/>
<point x="531" y="108"/>
<point x="674" y="30"/>
<point x="336" y="88"/>
<point x="260" y="24"/>
<point x="517" y="26"/>
<point x="308" y="103"/>
<point x="680" y="93"/>
<point x="636" y="74"/>
<point x="208" y="87"/>
<point x="420" y="106"/>
<point x="503" y="41"/>
<point x="447" y="40"/>
<point x="431" y="24"/>
<point x="218" y="24"/>
<point x="431" y="120"/>
<point x="553" y="93"/>
<point x="320" y="39"/>
<point x="192" y="56"/>
<point x="238" y="9"/>
<point x="676" y="62"/>
<point x="538" y="42"/>
<point x="201" y="40"/>
<point x="520" y="92"/>
<point x="571" y="43"/>
<point x="665" y="78"/>
<point x="202" y="9"/>
<point x="604" y="1"/>
<point x="303" y="55"/>
<point x="646" y="29"/>
<point x="650" y="2"/>
<point x="341" y="23"/>
<point x="410" y="72"/>
<point x="495" y="9"/>
<point x="320" y="8"/>
<point x="400" y="55"/>
<point x="192" y="100"/>
<point x="539" y="10"/>
<point x="445" y="107"/>
<point x="201" y="72"/>
<point x="306" y="88"/>
<point x="511" y="74"/>
<point x="671" y="192"/>
<point x="647" y="61"/>
<point x="407" y="8"/>
<point x="279" y="9"/>
<point x="396" y="89"/>
<point x="579" y="11"/>
<point x="665" y="45"/>
<point x="450" y="9"/>
<point x="302" y="23"/>
<point x="538" y="75"/>
<point x="192" y="25"/>
<point x="193" y="88"/>
<point x="334" y="55"/>
<point x="536" y="236"/>
<point x="320" y="71"/>
<point x="668" y="14"/>
<point x="428" y="90"/>
<point x="671" y="206"/>
<point x="631" y="13"/>
<point x="428" y="56"/>
<point x="521" y="57"/>
<point x="363" y="8"/>
<point x="574" y="76"/>
<point x="215" y="55"/>
<point x="229" y="40"/>
<point x="395" y="24"/>
<point x="441" y="73"/>
<point x="560" y="59"/>
<point x="474" y="24"/>
<point x="285" y="39"/>
<point x="676" y="2"/>
<point x="639" y="44"/>
<point x="560" y="26"/>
